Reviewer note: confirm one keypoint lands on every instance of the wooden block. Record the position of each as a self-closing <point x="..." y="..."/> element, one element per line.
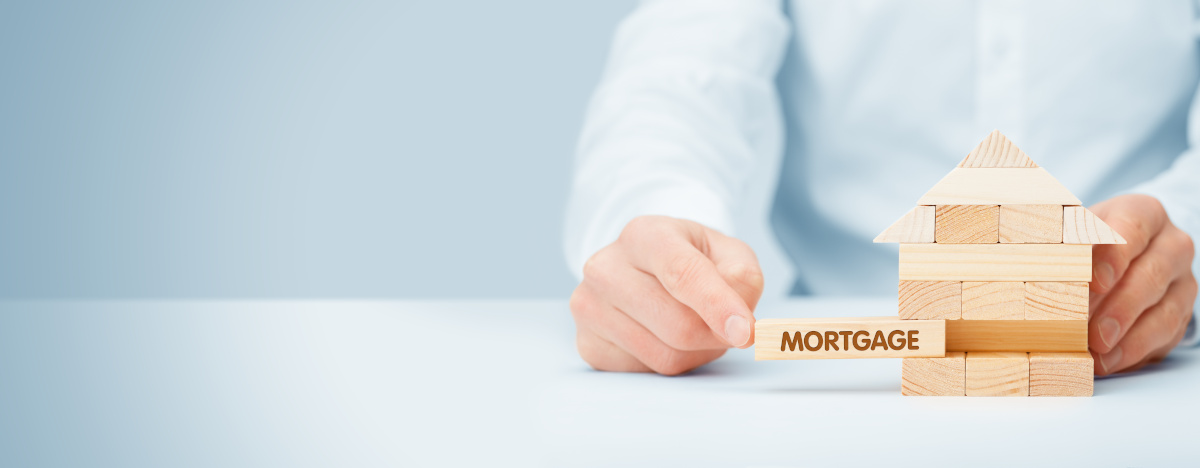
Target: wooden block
<point x="914" y="227"/>
<point x="998" y="186"/>
<point x="997" y="374"/>
<point x="967" y="224"/>
<point x="848" y="338"/>
<point x="995" y="262"/>
<point x="1017" y="335"/>
<point x="1081" y="226"/>
<point x="944" y="376"/>
<point x="1060" y="374"/>
<point x="993" y="300"/>
<point x="1031" y="224"/>
<point x="997" y="151"/>
<point x="930" y="300"/>
<point x="1056" y="300"/>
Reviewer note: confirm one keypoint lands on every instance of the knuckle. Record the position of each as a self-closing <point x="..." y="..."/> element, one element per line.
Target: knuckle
<point x="1155" y="271"/>
<point x="671" y="362"/>
<point x="1189" y="287"/>
<point x="594" y="352"/>
<point x="1167" y="320"/>
<point x="1185" y="244"/>
<point x="581" y="304"/>
<point x="684" y="338"/>
<point x="587" y="349"/>
<point x="1134" y="351"/>
<point x="598" y="266"/>
<point x="641" y="226"/>
<point x="591" y="268"/>
<point x="682" y="272"/>
<point x="1134" y="230"/>
<point x="1154" y="205"/>
<point x="749" y="275"/>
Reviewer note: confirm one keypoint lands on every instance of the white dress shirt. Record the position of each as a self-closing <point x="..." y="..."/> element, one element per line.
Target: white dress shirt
<point x="858" y="107"/>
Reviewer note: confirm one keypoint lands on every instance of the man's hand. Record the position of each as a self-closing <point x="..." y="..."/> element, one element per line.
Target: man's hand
<point x="668" y="296"/>
<point x="1142" y="292"/>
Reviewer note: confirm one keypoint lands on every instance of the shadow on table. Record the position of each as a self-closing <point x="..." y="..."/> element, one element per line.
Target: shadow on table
<point x="1173" y="362"/>
<point x="851" y="390"/>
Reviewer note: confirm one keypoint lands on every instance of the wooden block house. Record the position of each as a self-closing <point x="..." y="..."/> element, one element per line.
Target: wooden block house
<point x="997" y="244"/>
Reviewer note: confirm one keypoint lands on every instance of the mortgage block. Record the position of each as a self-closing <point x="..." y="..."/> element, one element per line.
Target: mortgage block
<point x="914" y="227"/>
<point x="848" y="338"/>
<point x="1017" y="335"/>
<point x="967" y="224"/>
<point x="1081" y="226"/>
<point x="1060" y="374"/>
<point x="1031" y="224"/>
<point x="993" y="300"/>
<point x="1056" y="300"/>
<point x="944" y="376"/>
<point x="995" y="262"/>
<point x="997" y="374"/>
<point x="930" y="300"/>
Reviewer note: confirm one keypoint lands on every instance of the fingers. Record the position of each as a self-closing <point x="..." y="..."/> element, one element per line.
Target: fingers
<point x="669" y="320"/>
<point x="1155" y="332"/>
<point x="1166" y="258"/>
<point x="643" y="298"/>
<point x="1138" y="218"/>
<point x="605" y="356"/>
<point x="629" y="337"/>
<point x="674" y="253"/>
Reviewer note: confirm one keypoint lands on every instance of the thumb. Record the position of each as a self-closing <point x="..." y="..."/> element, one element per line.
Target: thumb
<point x="738" y="266"/>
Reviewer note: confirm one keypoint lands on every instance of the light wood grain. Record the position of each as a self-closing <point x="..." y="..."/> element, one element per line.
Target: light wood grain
<point x="1031" y="224"/>
<point x="995" y="262"/>
<point x="944" y="376"/>
<point x="993" y="300"/>
<point x="967" y="224"/>
<point x="1017" y="335"/>
<point x="1061" y="374"/>
<point x="930" y="300"/>
<point x="998" y="186"/>
<point x="1056" y="300"/>
<point x="917" y="226"/>
<point x="1081" y="226"/>
<point x="883" y="336"/>
<point x="997" y="374"/>
<point x="997" y="151"/>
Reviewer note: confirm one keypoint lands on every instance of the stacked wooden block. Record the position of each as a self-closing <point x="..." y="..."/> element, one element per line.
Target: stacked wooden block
<point x="999" y="240"/>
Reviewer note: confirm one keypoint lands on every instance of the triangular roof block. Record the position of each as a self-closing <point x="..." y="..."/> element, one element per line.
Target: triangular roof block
<point x="916" y="227"/>
<point x="997" y="151"/>
<point x="999" y="173"/>
<point x="1081" y="226"/>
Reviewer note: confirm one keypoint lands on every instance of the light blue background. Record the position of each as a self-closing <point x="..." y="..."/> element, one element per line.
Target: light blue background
<point x="291" y="149"/>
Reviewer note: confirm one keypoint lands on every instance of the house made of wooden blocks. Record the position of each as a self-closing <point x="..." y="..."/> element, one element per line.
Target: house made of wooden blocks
<point x="1002" y="252"/>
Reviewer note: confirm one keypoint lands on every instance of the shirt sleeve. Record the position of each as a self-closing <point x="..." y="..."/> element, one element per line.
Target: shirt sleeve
<point x="686" y="107"/>
<point x="1178" y="189"/>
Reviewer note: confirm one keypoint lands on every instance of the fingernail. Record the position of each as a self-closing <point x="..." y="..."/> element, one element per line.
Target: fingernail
<point x="1111" y="360"/>
<point x="1109" y="329"/>
<point x="737" y="330"/>
<point x="1104" y="275"/>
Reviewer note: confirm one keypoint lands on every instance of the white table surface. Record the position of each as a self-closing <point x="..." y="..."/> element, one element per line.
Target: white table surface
<point x="494" y="383"/>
